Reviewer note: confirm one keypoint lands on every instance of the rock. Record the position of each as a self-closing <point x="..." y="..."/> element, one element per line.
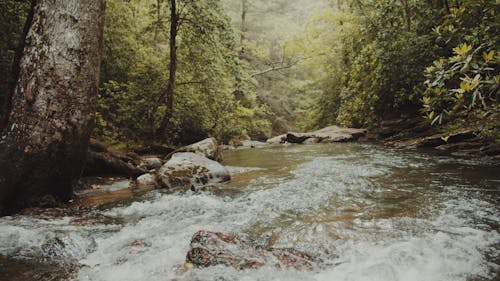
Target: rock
<point x="252" y="144"/>
<point x="277" y="139"/>
<point x="311" y="141"/>
<point x="147" y="181"/>
<point x="326" y="135"/>
<point x="297" y="137"/>
<point x="150" y="163"/>
<point x="190" y="170"/>
<point x="91" y="186"/>
<point x="491" y="150"/>
<point x="208" y="147"/>
<point x="441" y="139"/>
<point x="338" y="134"/>
<point x="215" y="248"/>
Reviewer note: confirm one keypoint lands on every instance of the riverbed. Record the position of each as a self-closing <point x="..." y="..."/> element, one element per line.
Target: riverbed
<point x="368" y="212"/>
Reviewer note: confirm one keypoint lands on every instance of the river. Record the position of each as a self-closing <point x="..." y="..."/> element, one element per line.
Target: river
<point x="369" y="212"/>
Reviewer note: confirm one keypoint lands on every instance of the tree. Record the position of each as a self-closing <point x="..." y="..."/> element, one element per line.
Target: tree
<point x="166" y="122"/>
<point x="43" y="148"/>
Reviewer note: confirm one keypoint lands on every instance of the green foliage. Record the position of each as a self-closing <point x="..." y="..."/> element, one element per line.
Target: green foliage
<point x="12" y="19"/>
<point x="375" y="63"/>
<point x="466" y="83"/>
<point x="135" y="72"/>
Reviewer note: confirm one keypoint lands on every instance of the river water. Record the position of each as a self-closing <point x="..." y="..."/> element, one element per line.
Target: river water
<point x="369" y="212"/>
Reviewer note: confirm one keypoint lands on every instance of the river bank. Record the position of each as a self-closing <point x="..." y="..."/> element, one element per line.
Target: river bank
<point x="412" y="132"/>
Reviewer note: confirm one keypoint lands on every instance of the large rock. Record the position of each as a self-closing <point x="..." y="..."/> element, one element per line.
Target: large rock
<point x="208" y="148"/>
<point x="277" y="139"/>
<point x="188" y="170"/>
<point x="215" y="248"/>
<point x="325" y="135"/>
<point x="147" y="181"/>
<point x="443" y="140"/>
<point x="150" y="163"/>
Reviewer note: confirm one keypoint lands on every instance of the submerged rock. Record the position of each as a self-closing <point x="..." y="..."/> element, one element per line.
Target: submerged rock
<point x="215" y="248"/>
<point x="187" y="170"/>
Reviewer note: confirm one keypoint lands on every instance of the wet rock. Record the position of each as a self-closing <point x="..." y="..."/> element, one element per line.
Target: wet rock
<point x="252" y="144"/>
<point x="491" y="150"/>
<point x="147" y="181"/>
<point x="187" y="170"/>
<point x="311" y="141"/>
<point x="150" y="163"/>
<point x="441" y="139"/>
<point x="91" y="186"/>
<point x="208" y="148"/>
<point x="277" y="140"/>
<point x="66" y="250"/>
<point x="338" y="134"/>
<point x="215" y="248"/>
<point x="297" y="137"/>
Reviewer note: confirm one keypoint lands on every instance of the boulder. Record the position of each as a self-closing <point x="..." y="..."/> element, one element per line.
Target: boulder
<point x="215" y="248"/>
<point x="150" y="163"/>
<point x="311" y="141"/>
<point x="188" y="170"/>
<point x="147" y="181"/>
<point x="325" y="135"/>
<point x="277" y="139"/>
<point x="338" y="134"/>
<point x="297" y="137"/>
<point x="208" y="148"/>
<point x="442" y="139"/>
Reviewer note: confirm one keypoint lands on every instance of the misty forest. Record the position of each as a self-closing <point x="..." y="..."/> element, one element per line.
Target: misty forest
<point x="250" y="140"/>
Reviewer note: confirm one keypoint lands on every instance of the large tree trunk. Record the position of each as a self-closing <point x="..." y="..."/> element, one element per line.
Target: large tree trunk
<point x="166" y="123"/>
<point x="43" y="147"/>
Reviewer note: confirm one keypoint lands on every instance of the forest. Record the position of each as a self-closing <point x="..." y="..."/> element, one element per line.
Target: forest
<point x="300" y="132"/>
<point x="250" y="69"/>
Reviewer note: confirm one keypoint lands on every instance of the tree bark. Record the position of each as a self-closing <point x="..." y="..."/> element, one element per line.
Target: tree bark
<point x="43" y="147"/>
<point x="166" y="122"/>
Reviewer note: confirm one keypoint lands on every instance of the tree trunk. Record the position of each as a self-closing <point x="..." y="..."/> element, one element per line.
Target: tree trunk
<point x="166" y="123"/>
<point x="43" y="148"/>
<point x="158" y="20"/>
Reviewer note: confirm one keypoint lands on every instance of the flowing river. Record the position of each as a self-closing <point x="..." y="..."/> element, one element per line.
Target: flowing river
<point x="369" y="212"/>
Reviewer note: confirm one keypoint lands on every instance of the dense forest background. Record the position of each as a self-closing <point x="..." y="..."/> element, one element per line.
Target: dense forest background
<point x="250" y="69"/>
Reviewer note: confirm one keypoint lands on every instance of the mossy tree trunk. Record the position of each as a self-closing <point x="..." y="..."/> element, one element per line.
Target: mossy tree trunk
<point x="43" y="147"/>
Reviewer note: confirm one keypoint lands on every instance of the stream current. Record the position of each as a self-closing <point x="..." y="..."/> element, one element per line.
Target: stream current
<point x="369" y="212"/>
